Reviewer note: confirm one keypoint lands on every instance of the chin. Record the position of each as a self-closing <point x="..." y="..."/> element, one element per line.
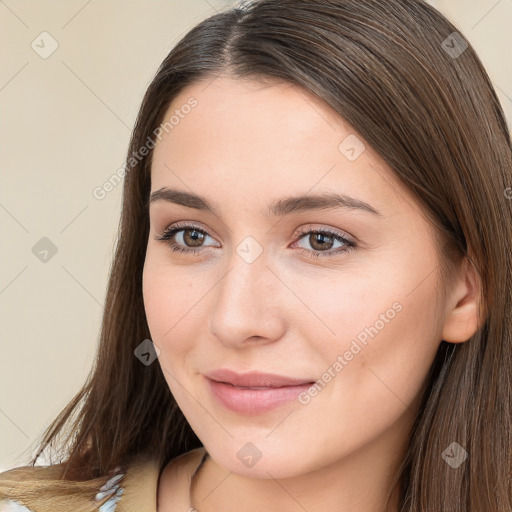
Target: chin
<point x="259" y="459"/>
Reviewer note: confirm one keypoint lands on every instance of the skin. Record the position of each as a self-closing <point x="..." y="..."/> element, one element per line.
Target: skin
<point x="245" y="144"/>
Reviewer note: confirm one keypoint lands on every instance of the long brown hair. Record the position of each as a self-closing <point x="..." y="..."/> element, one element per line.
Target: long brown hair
<point x="395" y="70"/>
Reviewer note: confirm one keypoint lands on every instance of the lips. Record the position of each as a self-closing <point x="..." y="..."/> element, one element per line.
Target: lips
<point x="254" y="393"/>
<point x="255" y="380"/>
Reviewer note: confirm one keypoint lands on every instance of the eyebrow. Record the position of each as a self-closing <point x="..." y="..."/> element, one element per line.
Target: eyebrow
<point x="281" y="207"/>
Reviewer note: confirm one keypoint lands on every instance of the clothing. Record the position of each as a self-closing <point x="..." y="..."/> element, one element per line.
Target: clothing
<point x="130" y="489"/>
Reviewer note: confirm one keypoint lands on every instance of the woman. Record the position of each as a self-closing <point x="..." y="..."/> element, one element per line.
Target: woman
<point x="309" y="304"/>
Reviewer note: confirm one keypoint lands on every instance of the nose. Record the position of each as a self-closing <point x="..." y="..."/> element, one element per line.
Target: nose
<point x="249" y="304"/>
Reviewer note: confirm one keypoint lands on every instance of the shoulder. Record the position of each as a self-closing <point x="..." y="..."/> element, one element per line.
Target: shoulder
<point x="186" y="462"/>
<point x="183" y="466"/>
<point x="133" y="487"/>
<point x="42" y="489"/>
<point x="175" y="479"/>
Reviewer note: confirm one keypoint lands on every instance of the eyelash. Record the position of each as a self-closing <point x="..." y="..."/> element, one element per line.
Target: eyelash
<point x="167" y="234"/>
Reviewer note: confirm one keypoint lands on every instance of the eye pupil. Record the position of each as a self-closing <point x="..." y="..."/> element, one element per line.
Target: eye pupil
<point x="194" y="239"/>
<point x="320" y="238"/>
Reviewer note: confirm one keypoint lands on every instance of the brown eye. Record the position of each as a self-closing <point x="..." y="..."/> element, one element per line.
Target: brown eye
<point x="193" y="237"/>
<point x="184" y="239"/>
<point x="322" y="242"/>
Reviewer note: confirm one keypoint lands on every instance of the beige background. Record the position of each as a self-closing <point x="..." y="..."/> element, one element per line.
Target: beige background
<point x="64" y="128"/>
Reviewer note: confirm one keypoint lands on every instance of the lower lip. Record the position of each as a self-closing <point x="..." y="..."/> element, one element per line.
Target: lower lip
<point x="254" y="401"/>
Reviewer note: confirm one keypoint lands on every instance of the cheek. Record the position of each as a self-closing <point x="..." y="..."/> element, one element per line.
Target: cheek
<point x="400" y="355"/>
<point x="174" y="311"/>
<point x="164" y="301"/>
<point x="377" y="363"/>
<point x="377" y="333"/>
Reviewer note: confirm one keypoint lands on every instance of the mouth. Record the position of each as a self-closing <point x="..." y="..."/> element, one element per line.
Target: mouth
<point x="255" y="379"/>
<point x="251" y="400"/>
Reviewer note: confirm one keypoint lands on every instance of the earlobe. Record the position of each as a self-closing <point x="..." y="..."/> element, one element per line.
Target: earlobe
<point x="461" y="324"/>
<point x="465" y="314"/>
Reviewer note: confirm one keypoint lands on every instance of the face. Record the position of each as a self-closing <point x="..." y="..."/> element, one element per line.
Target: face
<point x="344" y="296"/>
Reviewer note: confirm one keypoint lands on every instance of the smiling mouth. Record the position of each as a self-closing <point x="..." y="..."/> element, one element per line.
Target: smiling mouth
<point x="254" y="400"/>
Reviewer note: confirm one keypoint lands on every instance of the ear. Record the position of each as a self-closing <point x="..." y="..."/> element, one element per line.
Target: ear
<point x="464" y="314"/>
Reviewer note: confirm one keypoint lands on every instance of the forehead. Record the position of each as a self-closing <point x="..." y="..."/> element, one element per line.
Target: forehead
<point x="260" y="139"/>
<point x="269" y="112"/>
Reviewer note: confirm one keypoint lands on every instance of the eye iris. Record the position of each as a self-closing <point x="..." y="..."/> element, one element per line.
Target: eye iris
<point x="320" y="238"/>
<point x="195" y="239"/>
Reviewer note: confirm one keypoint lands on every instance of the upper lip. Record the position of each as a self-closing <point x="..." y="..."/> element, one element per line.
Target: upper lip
<point x="254" y="379"/>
